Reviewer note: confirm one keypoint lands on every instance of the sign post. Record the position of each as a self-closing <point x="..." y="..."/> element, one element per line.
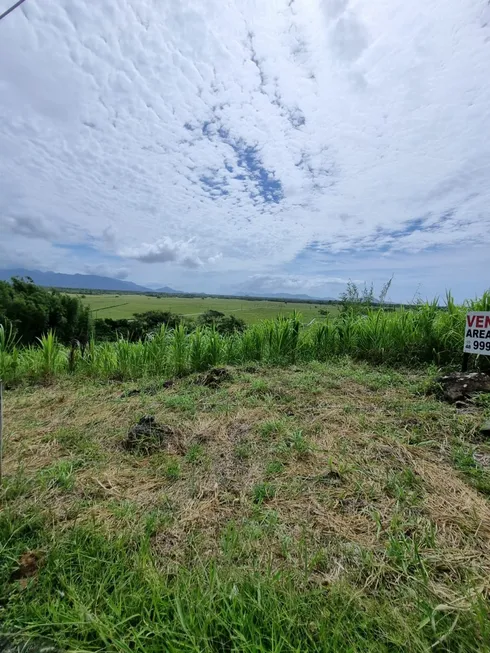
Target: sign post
<point x="477" y="336"/>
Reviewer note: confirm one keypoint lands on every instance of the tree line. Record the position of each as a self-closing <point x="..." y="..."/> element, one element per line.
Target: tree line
<point x="32" y="311"/>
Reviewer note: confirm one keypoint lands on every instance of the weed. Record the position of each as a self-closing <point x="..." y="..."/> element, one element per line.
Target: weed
<point x="195" y="454"/>
<point x="60" y="475"/>
<point x="274" y="467"/>
<point x="295" y="442"/>
<point x="172" y="470"/>
<point x="272" y="428"/>
<point x="262" y="492"/>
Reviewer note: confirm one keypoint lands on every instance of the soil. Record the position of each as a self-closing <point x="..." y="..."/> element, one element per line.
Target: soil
<point x="28" y="566"/>
<point x="460" y="385"/>
<point x="148" y="436"/>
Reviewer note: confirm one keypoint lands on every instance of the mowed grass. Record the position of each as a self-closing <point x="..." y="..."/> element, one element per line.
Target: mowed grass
<point x="319" y="507"/>
<point x="124" y="306"/>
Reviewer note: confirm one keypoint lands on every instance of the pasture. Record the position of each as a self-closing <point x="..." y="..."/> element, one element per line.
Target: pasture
<point x="251" y="311"/>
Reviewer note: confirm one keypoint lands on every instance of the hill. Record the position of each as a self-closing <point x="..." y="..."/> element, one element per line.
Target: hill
<point x="79" y="281"/>
<point x="169" y="291"/>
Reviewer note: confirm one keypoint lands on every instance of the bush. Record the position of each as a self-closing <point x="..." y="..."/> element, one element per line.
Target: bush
<point x="222" y="323"/>
<point x="139" y="327"/>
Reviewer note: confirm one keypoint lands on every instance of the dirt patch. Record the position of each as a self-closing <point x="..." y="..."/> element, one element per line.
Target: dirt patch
<point x="459" y="386"/>
<point x="215" y="377"/>
<point x="148" y="436"/>
<point x="28" y="566"/>
<point x="238" y="431"/>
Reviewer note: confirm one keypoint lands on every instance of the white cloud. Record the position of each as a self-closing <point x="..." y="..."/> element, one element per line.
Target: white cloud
<point x="171" y="131"/>
<point x="166" y="250"/>
<point x="101" y="269"/>
<point x="275" y="283"/>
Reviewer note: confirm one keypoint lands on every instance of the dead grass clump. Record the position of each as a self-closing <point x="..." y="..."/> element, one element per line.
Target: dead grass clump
<point x="215" y="377"/>
<point x="148" y="436"/>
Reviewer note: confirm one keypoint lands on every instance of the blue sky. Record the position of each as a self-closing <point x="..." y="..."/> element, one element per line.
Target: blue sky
<point x="225" y="146"/>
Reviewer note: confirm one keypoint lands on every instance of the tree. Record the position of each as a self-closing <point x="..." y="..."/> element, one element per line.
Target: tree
<point x="33" y="311"/>
<point x="222" y="323"/>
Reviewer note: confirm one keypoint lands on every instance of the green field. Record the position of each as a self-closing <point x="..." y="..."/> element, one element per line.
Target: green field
<point x="124" y="306"/>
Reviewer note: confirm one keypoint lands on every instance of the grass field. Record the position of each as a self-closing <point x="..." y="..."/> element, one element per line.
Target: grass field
<point x="319" y="507"/>
<point x="123" y="306"/>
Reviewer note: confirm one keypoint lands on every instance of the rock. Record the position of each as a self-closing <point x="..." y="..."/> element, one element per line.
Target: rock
<point x="460" y="385"/>
<point x="147" y="436"/>
<point x="485" y="429"/>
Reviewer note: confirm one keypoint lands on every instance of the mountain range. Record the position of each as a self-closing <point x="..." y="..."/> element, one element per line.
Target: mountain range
<point x="287" y="296"/>
<point x="96" y="282"/>
<point x="78" y="281"/>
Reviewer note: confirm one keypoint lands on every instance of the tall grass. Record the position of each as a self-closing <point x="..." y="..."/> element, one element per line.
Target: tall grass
<point x="9" y="353"/>
<point x="101" y="592"/>
<point x="424" y="334"/>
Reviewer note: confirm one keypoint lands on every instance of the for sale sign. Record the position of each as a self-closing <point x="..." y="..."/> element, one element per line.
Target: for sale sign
<point x="477" y="333"/>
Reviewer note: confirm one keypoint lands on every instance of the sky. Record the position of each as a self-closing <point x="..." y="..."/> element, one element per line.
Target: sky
<point x="241" y="146"/>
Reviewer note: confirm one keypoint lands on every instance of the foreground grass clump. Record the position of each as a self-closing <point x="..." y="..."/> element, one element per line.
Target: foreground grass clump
<point x="408" y="336"/>
<point x="320" y="507"/>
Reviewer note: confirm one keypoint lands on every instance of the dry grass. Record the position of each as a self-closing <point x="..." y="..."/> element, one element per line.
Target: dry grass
<point x="336" y="468"/>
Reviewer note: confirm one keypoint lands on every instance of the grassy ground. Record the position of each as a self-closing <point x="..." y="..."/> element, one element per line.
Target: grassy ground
<point x="322" y="507"/>
<point x="123" y="306"/>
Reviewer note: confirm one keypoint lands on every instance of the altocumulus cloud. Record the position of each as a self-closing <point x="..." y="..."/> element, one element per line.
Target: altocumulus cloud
<point x="169" y="132"/>
<point x="166" y="250"/>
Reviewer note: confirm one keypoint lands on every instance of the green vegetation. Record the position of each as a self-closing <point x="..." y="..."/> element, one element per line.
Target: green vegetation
<point x="32" y="311"/>
<point x="270" y="520"/>
<point x="118" y="306"/>
<point x="423" y="334"/>
<point x="299" y="499"/>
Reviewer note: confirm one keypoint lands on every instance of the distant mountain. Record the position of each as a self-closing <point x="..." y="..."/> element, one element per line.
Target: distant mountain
<point x="78" y="281"/>
<point x="287" y="296"/>
<point x="169" y="291"/>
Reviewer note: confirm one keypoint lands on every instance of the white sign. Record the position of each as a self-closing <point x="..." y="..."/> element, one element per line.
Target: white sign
<point x="477" y="333"/>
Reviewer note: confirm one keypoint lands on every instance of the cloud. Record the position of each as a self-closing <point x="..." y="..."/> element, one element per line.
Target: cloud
<point x="273" y="283"/>
<point x="101" y="269"/>
<point x="166" y="250"/>
<point x="27" y="226"/>
<point x="272" y="126"/>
